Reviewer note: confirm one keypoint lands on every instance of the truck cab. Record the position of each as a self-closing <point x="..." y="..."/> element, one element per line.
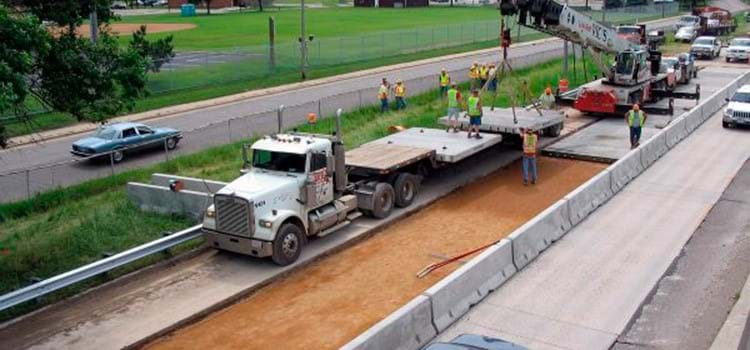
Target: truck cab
<point x="286" y="195"/>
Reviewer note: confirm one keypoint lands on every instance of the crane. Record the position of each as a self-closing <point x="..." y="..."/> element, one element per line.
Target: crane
<point x="632" y="77"/>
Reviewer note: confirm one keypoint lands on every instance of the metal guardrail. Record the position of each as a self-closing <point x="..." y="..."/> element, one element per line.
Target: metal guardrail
<point x="52" y="284"/>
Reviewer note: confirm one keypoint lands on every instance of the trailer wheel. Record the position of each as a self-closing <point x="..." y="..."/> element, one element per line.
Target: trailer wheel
<point x="287" y="245"/>
<point x="554" y="130"/>
<point x="383" y="199"/>
<point x="405" y="187"/>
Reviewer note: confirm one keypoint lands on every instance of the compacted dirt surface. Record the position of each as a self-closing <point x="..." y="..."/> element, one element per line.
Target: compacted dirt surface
<point x="325" y="305"/>
<point x="129" y="28"/>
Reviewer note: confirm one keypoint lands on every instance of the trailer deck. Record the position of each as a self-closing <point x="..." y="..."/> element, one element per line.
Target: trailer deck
<point x="501" y="120"/>
<point x="411" y="145"/>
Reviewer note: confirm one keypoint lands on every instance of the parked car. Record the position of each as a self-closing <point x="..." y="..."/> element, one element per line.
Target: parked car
<point x="655" y="37"/>
<point x="671" y="67"/>
<point x="686" y="34"/>
<point x="706" y="47"/>
<point x="687" y="64"/>
<point x="475" y="342"/>
<point x="120" y="138"/>
<point x="118" y="5"/>
<point x="738" y="109"/>
<point x="738" y="50"/>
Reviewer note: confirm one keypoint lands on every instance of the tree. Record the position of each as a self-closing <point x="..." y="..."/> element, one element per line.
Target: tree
<point x="66" y="72"/>
<point x="204" y="2"/>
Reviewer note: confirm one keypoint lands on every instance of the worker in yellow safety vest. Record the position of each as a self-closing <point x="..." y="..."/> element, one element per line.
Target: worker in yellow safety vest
<point x="635" y="118"/>
<point x="445" y="81"/>
<point x="474" y="75"/>
<point x="454" y="108"/>
<point x="547" y="99"/>
<point x="530" y="140"/>
<point x="383" y="95"/>
<point x="483" y="75"/>
<point x="474" y="107"/>
<point x="400" y="91"/>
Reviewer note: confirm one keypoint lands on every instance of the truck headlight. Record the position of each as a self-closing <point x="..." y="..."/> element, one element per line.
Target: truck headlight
<point x="728" y="112"/>
<point x="265" y="223"/>
<point x="211" y="212"/>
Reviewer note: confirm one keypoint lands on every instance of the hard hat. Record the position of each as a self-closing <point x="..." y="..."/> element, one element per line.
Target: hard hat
<point x="312" y="118"/>
<point x="398" y="81"/>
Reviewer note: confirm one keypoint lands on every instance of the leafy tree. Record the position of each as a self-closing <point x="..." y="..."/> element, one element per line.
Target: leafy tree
<point x="66" y="72"/>
<point x="158" y="52"/>
<point x="204" y="2"/>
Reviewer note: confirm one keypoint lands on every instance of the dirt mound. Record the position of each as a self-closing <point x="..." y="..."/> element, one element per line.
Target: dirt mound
<point x="129" y="28"/>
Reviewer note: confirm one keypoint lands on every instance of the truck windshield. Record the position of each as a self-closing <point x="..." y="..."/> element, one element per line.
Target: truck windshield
<point x="688" y="19"/>
<point x="740" y="42"/>
<point x="625" y="63"/>
<point x="628" y="30"/>
<point x="279" y="161"/>
<point x="704" y="41"/>
<point x="741" y="97"/>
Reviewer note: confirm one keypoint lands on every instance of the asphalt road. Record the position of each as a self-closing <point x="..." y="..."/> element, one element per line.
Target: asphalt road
<point x="51" y="165"/>
<point x="583" y="291"/>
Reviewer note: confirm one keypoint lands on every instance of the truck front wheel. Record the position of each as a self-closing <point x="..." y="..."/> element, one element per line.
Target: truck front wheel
<point x="288" y="244"/>
<point x="383" y="199"/>
<point x="406" y="187"/>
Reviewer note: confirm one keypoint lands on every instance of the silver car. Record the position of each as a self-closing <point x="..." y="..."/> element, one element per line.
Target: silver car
<point x="686" y="34"/>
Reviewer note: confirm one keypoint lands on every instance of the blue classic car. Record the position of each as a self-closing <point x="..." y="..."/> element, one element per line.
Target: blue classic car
<point x="119" y="138"/>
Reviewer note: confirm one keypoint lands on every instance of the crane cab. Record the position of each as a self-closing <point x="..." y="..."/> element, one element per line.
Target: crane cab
<point x="631" y="67"/>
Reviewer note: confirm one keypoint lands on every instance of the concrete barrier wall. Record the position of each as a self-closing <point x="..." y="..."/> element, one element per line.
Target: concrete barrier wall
<point x="589" y="196"/>
<point x="459" y="291"/>
<point x="536" y="235"/>
<point x="409" y="327"/>
<point x="161" y="200"/>
<point x="191" y="183"/>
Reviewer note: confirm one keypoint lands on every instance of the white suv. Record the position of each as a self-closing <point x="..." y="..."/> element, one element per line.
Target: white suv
<point x="739" y="50"/>
<point x="738" y="109"/>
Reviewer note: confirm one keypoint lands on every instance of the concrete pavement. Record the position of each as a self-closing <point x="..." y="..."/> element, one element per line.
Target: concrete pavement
<point x="584" y="290"/>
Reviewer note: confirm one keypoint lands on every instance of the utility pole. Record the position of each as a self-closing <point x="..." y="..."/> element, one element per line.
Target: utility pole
<point x="272" y="43"/>
<point x="93" y="22"/>
<point x="565" y="55"/>
<point x="303" y="43"/>
<point x="604" y="9"/>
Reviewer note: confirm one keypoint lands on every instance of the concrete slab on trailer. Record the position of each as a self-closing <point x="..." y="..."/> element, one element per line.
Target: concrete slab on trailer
<point x="449" y="147"/>
<point x="501" y="120"/>
<point x="386" y="157"/>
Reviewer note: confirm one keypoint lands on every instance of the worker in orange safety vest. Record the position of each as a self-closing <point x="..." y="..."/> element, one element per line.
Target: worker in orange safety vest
<point x="400" y="92"/>
<point x="530" y="140"/>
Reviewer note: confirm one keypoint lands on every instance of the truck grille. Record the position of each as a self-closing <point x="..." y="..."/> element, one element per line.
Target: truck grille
<point x="234" y="215"/>
<point x="743" y="115"/>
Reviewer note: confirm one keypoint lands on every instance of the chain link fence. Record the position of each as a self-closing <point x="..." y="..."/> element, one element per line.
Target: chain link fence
<point x="22" y="184"/>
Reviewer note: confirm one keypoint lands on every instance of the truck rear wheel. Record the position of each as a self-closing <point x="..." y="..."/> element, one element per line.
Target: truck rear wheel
<point x="383" y="199"/>
<point x="287" y="245"/>
<point x="554" y="130"/>
<point x="405" y="187"/>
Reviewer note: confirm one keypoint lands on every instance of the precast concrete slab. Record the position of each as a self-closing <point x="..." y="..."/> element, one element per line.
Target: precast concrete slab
<point x="582" y="293"/>
<point x="609" y="139"/>
<point x="501" y="120"/>
<point x="449" y="147"/>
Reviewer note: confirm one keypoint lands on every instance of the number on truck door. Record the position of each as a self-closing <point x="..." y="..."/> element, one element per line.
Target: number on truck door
<point x="320" y="180"/>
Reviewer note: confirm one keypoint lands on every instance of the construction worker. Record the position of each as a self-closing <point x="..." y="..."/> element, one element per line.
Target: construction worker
<point x="474" y="75"/>
<point x="635" y="118"/>
<point x="454" y="108"/>
<point x="474" y="107"/>
<point x="547" y="99"/>
<point x="400" y="91"/>
<point x="483" y="75"/>
<point x="562" y="86"/>
<point x="493" y="78"/>
<point x="530" y="140"/>
<point x="445" y="81"/>
<point x="383" y="95"/>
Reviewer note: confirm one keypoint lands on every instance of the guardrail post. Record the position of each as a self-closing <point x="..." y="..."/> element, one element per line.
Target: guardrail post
<point x="359" y="93"/>
<point x="166" y="150"/>
<point x="320" y="110"/>
<point x="112" y="162"/>
<point x="229" y="129"/>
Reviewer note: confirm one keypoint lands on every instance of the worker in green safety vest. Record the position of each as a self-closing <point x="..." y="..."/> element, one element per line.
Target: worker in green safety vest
<point x="547" y="99"/>
<point x="635" y="118"/>
<point x="474" y="107"/>
<point x="445" y="81"/>
<point x="454" y="108"/>
<point x="530" y="140"/>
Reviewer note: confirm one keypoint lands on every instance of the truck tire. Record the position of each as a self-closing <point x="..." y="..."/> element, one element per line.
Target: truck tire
<point x="287" y="245"/>
<point x="383" y="199"/>
<point x="554" y="130"/>
<point x="406" y="188"/>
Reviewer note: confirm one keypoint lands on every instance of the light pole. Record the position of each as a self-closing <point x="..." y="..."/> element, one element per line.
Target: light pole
<point x="303" y="42"/>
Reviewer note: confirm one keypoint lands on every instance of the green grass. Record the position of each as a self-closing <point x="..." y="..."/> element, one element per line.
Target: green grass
<point x="68" y="227"/>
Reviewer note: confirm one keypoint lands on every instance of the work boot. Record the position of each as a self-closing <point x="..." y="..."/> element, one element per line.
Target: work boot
<point x="478" y="136"/>
<point x="468" y="135"/>
<point x="533" y="182"/>
<point x="525" y="183"/>
<point x="455" y="130"/>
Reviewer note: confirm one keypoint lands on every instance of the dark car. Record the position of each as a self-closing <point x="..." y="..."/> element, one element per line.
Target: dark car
<point x="120" y="138"/>
<point x="475" y="342"/>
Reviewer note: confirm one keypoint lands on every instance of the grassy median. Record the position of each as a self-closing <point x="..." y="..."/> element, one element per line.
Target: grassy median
<point x="66" y="228"/>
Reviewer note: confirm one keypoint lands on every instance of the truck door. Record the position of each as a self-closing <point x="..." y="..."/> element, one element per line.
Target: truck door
<point x="319" y="185"/>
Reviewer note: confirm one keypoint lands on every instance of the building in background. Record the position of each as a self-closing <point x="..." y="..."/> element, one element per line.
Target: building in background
<point x="391" y="3"/>
<point x="215" y="4"/>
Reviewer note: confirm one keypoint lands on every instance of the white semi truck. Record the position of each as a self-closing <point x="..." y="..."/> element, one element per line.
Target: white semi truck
<point x="303" y="185"/>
